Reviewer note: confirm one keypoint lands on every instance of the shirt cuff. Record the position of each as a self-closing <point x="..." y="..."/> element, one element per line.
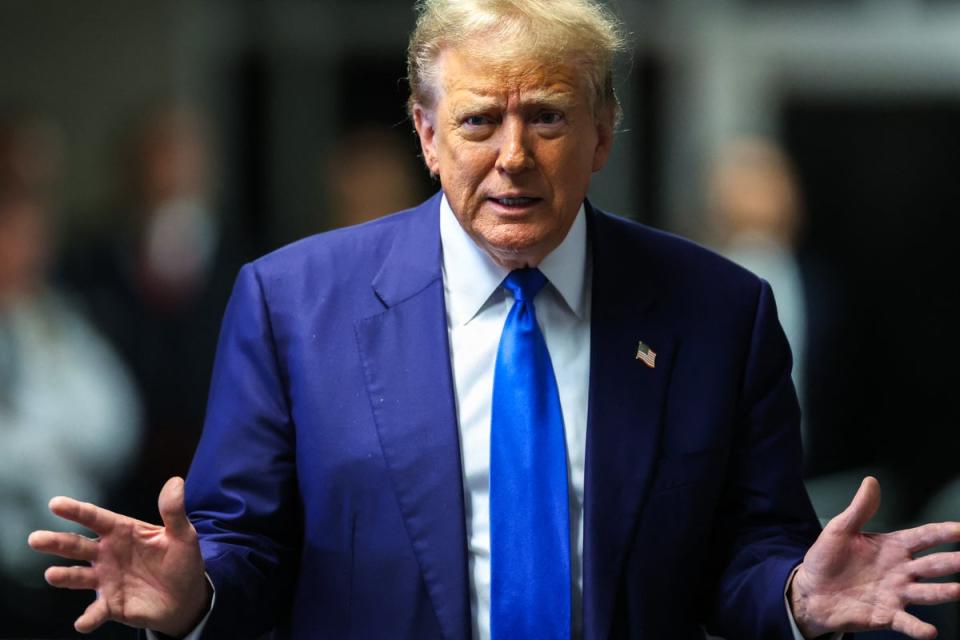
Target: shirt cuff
<point x="793" y="623"/>
<point x="198" y="630"/>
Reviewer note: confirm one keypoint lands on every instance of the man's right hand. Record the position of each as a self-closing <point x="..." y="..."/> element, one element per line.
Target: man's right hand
<point x="145" y="576"/>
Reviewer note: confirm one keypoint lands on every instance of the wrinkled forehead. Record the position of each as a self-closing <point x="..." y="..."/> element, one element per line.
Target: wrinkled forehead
<point x="482" y="73"/>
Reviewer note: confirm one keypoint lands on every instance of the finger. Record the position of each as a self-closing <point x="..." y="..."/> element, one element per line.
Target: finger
<point x="863" y="506"/>
<point x="932" y="592"/>
<point x="95" y="615"/>
<point x="172" y="509"/>
<point x="97" y="519"/>
<point x="913" y="627"/>
<point x="72" y="546"/>
<point x="935" y="565"/>
<point x="930" y="535"/>
<point x="71" y="577"/>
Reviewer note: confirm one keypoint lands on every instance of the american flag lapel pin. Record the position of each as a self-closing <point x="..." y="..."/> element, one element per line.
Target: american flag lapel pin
<point x="647" y="355"/>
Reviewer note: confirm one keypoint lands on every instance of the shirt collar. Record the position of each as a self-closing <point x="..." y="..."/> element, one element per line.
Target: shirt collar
<point x="471" y="277"/>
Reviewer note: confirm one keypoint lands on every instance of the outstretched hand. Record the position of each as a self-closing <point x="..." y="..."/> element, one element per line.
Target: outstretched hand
<point x="145" y="575"/>
<point x="855" y="581"/>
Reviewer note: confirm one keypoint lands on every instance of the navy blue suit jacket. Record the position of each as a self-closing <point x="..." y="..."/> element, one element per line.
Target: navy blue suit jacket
<point x="327" y="488"/>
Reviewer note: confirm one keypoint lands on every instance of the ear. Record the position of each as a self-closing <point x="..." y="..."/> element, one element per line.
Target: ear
<point x="604" y="141"/>
<point x="424" y="121"/>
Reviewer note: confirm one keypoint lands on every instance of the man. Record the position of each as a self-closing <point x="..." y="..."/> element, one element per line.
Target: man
<point x="365" y="469"/>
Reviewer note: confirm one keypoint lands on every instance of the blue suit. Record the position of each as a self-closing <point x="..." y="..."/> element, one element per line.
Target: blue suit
<point x="327" y="486"/>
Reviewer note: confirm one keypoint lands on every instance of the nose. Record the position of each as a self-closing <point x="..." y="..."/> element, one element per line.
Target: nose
<point x="515" y="154"/>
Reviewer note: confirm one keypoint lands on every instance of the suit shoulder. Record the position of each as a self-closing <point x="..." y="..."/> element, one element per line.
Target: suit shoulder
<point x="345" y="248"/>
<point x="336" y="267"/>
<point x="676" y="262"/>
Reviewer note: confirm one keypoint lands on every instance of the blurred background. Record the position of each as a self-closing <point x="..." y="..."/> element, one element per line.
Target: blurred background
<point x="148" y="149"/>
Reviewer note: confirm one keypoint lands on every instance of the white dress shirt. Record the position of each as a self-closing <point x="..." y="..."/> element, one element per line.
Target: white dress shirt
<point x="477" y="307"/>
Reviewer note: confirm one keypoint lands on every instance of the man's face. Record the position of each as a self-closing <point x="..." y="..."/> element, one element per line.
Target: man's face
<point x="514" y="152"/>
<point x="24" y="248"/>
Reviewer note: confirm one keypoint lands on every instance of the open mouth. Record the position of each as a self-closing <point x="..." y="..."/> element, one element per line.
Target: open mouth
<point x="516" y="203"/>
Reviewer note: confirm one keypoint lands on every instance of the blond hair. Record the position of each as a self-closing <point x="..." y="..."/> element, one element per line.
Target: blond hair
<point x="578" y="32"/>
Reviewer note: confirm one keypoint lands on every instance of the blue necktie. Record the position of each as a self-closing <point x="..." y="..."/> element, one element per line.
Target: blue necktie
<point x="529" y="512"/>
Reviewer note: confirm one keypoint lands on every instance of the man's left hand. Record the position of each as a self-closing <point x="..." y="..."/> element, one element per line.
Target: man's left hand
<point x="855" y="581"/>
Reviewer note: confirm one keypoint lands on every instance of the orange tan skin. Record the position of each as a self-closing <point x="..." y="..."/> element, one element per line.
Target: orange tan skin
<point x="856" y="581"/>
<point x="530" y="134"/>
<point x="514" y="153"/>
<point x="146" y="576"/>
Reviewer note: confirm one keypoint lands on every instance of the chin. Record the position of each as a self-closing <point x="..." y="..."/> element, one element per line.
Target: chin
<point x="514" y="250"/>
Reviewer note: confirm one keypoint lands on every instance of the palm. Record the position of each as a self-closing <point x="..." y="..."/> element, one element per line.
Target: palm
<point x="140" y="569"/>
<point x="855" y="581"/>
<point x="145" y="575"/>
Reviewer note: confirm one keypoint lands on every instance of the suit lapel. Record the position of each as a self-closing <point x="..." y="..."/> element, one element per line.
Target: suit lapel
<point x="406" y="361"/>
<point x="625" y="413"/>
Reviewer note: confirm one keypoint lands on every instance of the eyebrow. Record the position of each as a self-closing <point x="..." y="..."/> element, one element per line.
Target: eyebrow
<point x="546" y="97"/>
<point x="480" y="100"/>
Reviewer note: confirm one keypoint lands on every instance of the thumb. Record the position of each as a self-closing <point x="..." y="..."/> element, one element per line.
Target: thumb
<point x="863" y="506"/>
<point x="172" y="508"/>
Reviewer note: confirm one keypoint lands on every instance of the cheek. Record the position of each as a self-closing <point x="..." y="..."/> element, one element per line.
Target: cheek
<point x="466" y="164"/>
<point x="574" y="166"/>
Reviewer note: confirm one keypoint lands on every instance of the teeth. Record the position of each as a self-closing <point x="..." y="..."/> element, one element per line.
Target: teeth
<point x="513" y="202"/>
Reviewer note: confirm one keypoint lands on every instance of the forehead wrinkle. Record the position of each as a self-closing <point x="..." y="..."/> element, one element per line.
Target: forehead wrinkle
<point x="557" y="95"/>
<point x="474" y="83"/>
<point x="502" y="68"/>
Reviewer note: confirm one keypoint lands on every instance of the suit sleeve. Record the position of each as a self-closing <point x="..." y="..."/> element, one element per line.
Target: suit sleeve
<point x="765" y="523"/>
<point x="241" y="491"/>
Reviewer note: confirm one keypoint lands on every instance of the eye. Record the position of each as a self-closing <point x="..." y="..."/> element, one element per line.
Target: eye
<point x="477" y="126"/>
<point x="476" y="121"/>
<point x="549" y="118"/>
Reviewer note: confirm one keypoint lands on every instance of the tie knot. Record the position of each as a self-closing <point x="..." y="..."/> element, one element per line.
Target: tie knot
<point x="525" y="284"/>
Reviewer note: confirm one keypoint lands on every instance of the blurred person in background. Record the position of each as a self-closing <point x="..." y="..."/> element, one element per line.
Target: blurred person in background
<point x="69" y="415"/>
<point x="755" y="211"/>
<point x="369" y="173"/>
<point x="158" y="280"/>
